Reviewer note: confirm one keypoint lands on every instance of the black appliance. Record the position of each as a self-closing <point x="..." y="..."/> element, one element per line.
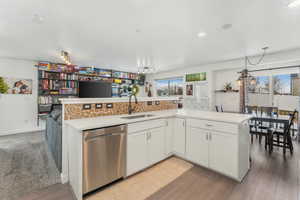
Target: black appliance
<point x="94" y="89"/>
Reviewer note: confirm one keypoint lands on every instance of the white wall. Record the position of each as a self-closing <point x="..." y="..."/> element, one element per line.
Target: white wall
<point x="18" y="113"/>
<point x="222" y="72"/>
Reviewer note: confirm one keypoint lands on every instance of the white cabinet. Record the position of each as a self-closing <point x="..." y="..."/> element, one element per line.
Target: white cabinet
<point x="179" y="137"/>
<point x="220" y="146"/>
<point x="169" y="136"/>
<point x="197" y="146"/>
<point x="145" y="146"/>
<point x="156" y="145"/>
<point x="137" y="158"/>
<point x="223" y="153"/>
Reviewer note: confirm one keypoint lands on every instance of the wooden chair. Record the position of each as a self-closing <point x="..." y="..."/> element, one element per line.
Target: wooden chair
<point x="263" y="126"/>
<point x="217" y="108"/>
<point x="282" y="137"/>
<point x="252" y="110"/>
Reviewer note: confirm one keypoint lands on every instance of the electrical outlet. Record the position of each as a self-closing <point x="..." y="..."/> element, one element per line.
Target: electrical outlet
<point x="149" y="103"/>
<point x="86" y="106"/>
<point x="109" y="105"/>
<point x="99" y="105"/>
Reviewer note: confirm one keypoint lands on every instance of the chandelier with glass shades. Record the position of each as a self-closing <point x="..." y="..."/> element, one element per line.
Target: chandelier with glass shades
<point x="245" y="75"/>
<point x="145" y="66"/>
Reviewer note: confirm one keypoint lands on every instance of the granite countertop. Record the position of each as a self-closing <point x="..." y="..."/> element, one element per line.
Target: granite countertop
<point x="105" y="121"/>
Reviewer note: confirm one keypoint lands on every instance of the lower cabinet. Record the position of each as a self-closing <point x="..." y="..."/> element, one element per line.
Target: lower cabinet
<point x="145" y="148"/>
<point x="179" y="137"/>
<point x="214" y="145"/>
<point x="223" y="153"/>
<point x="212" y="149"/>
<point x="169" y="137"/>
<point x="197" y="146"/>
<point x="136" y="152"/>
<point x="156" y="145"/>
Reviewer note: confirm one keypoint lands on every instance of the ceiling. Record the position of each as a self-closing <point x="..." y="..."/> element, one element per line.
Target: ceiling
<point x="119" y="34"/>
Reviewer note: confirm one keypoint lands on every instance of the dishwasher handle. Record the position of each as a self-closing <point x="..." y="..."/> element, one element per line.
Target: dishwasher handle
<point x="105" y="132"/>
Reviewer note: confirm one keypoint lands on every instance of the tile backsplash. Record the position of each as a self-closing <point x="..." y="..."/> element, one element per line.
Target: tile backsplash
<point x="79" y="111"/>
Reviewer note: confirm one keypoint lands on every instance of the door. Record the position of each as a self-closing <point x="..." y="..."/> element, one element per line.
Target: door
<point x="223" y="153"/>
<point x="197" y="146"/>
<point x="156" y="144"/>
<point x="137" y="157"/>
<point x="169" y="136"/>
<point x="179" y="136"/>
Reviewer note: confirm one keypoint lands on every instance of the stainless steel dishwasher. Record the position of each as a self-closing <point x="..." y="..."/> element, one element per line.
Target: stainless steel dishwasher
<point x="104" y="156"/>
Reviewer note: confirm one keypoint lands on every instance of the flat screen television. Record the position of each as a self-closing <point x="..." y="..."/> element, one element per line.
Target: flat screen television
<point x="94" y="89"/>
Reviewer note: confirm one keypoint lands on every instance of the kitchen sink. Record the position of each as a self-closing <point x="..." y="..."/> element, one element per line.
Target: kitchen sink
<point x="137" y="116"/>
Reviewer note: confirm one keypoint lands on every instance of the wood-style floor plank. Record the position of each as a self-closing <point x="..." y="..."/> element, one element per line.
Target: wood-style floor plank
<point x="271" y="177"/>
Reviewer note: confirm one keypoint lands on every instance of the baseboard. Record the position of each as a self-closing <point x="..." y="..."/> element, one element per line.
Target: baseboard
<point x="64" y="179"/>
<point x="17" y="131"/>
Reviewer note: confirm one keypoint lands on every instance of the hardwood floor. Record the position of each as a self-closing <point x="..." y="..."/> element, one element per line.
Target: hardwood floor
<point x="271" y="177"/>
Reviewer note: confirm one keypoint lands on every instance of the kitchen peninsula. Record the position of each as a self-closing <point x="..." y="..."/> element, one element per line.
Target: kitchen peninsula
<point x="156" y="131"/>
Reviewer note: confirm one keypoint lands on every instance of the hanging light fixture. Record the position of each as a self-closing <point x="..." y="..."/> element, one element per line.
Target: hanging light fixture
<point x="65" y="57"/>
<point x="245" y="75"/>
<point x="145" y="67"/>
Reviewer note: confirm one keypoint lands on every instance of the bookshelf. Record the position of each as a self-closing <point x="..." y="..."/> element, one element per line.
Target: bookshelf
<point x="57" y="81"/>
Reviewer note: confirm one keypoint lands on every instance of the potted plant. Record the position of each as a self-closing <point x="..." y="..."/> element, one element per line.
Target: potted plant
<point x="3" y="86"/>
<point x="227" y="87"/>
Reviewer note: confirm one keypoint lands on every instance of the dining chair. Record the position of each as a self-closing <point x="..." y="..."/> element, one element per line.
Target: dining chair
<point x="263" y="126"/>
<point x="252" y="110"/>
<point x="282" y="137"/>
<point x="217" y="108"/>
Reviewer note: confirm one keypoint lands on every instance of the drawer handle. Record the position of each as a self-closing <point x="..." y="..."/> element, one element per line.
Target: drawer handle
<point x="209" y="125"/>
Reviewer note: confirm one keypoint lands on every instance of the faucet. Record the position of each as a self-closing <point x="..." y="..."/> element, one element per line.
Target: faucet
<point x="130" y="109"/>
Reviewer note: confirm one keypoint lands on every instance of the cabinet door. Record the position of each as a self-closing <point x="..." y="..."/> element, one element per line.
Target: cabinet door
<point x="156" y="145"/>
<point x="197" y="145"/>
<point x="169" y="136"/>
<point x="137" y="154"/>
<point x="179" y="137"/>
<point x="223" y="153"/>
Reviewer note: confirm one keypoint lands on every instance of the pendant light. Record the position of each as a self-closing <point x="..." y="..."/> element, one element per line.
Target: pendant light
<point x="245" y="75"/>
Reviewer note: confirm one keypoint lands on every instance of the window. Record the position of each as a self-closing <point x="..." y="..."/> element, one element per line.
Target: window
<point x="286" y="84"/>
<point x="169" y="87"/>
<point x="282" y="84"/>
<point x="261" y="85"/>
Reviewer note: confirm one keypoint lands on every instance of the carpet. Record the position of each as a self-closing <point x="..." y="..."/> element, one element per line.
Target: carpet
<point x="26" y="165"/>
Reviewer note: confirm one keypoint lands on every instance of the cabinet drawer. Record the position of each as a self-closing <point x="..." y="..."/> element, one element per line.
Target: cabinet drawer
<point x="145" y="125"/>
<point x="213" y="125"/>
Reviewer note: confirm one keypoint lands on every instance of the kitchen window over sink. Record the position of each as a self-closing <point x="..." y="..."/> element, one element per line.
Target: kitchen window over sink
<point x="169" y="87"/>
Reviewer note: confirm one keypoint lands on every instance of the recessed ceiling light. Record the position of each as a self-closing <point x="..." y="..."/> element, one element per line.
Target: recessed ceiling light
<point x="294" y="4"/>
<point x="38" y="19"/>
<point x="227" y="26"/>
<point x="202" y="34"/>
